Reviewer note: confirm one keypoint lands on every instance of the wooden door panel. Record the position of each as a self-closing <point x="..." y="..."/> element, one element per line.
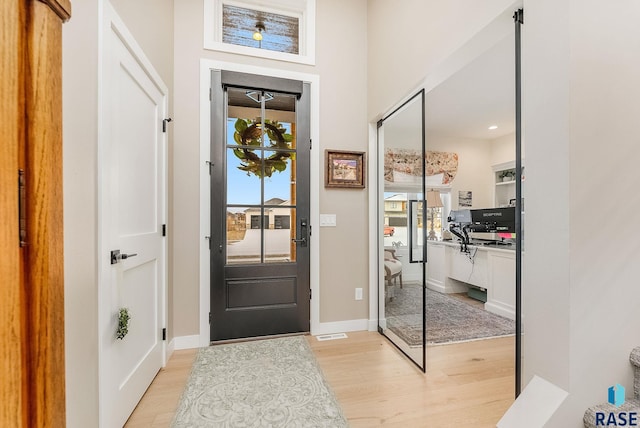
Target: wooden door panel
<point x="44" y="253"/>
<point x="13" y="399"/>
<point x="31" y="297"/>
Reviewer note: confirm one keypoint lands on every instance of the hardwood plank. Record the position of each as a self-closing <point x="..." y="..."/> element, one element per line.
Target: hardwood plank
<point x="160" y="402"/>
<point x="13" y="400"/>
<point x="44" y="255"/>
<point x="466" y="385"/>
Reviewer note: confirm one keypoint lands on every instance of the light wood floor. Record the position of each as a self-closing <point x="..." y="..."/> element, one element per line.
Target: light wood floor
<point x="466" y="385"/>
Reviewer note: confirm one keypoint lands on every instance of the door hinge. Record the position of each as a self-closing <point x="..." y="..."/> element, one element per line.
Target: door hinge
<point x="518" y="16"/>
<point x="210" y="165"/>
<point x="310" y="144"/>
<point x="164" y="230"/>
<point x="208" y="238"/>
<point x="310" y="294"/>
<point x="164" y="124"/>
<point x="164" y="333"/>
<point x="210" y="91"/>
<point x="209" y="318"/>
<point x="22" y="209"/>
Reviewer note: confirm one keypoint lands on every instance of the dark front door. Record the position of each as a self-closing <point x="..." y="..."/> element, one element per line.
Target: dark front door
<point x="259" y="206"/>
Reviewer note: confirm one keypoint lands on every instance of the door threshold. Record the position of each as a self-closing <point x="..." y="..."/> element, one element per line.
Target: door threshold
<point x="251" y="339"/>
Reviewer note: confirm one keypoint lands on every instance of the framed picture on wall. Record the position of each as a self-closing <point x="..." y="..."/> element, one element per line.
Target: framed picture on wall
<point x="344" y="169"/>
<point x="465" y="198"/>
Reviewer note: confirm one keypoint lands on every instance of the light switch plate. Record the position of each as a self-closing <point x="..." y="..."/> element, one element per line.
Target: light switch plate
<point x="327" y="220"/>
<point x="358" y="293"/>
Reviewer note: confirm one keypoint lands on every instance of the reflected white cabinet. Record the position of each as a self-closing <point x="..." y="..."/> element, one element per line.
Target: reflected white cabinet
<point x="505" y="183"/>
<point x="489" y="268"/>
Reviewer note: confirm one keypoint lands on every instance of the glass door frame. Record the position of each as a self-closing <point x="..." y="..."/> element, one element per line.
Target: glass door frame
<point x="422" y="365"/>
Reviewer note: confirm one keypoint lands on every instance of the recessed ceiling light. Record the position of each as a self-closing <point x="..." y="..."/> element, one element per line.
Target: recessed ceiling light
<point x="492" y="127"/>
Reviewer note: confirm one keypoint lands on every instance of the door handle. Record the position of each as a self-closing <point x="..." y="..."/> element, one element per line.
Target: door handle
<point x="116" y="256"/>
<point x="304" y="233"/>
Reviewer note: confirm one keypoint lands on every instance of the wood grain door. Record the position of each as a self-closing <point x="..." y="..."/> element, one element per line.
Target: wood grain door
<point x="13" y="402"/>
<point x="31" y="236"/>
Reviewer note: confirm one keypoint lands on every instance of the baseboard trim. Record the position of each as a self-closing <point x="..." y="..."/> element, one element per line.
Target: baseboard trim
<point x="500" y="309"/>
<point x="436" y="286"/>
<point x="341" y="327"/>
<point x="171" y="346"/>
<point x="373" y="325"/>
<point x="186" y="342"/>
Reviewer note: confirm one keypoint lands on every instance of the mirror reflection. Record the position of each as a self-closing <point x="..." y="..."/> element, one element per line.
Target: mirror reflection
<point x="449" y="206"/>
<point x="402" y="219"/>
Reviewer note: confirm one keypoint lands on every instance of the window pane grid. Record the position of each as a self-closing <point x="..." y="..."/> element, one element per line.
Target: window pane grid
<point x="261" y="174"/>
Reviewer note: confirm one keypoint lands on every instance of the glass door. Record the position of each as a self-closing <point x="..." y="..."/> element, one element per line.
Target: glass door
<point x="402" y="208"/>
<point x="260" y="206"/>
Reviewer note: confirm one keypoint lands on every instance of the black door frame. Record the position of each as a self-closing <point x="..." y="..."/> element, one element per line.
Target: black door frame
<point x="221" y="80"/>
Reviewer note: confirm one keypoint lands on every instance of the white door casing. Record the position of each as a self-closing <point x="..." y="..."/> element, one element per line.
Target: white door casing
<point x="132" y="197"/>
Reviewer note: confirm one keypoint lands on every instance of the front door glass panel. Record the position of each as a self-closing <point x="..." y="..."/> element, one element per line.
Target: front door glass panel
<point x="260" y="177"/>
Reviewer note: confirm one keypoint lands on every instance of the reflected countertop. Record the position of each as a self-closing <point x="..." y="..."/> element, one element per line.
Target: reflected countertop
<point x="480" y="245"/>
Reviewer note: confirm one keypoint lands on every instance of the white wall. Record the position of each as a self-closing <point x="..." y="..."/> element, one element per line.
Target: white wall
<point x="409" y="38"/>
<point x="503" y="149"/>
<point x="474" y="168"/>
<point x="582" y="134"/>
<point x="80" y="133"/>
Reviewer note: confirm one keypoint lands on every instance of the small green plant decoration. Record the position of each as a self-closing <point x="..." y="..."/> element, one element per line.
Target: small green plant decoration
<point x="123" y="323"/>
<point x="248" y="134"/>
<point x="509" y="174"/>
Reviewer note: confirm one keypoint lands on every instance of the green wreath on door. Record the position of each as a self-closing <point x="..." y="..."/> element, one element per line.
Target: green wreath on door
<point x="248" y="134"/>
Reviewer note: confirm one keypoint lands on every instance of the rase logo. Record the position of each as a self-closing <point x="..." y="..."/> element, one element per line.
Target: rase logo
<point x="616" y="419"/>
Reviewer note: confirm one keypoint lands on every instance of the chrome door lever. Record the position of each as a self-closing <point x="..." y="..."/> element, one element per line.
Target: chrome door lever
<point x="116" y="256"/>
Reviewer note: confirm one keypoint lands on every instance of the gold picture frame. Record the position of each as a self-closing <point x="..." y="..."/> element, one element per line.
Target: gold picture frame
<point x="345" y="169"/>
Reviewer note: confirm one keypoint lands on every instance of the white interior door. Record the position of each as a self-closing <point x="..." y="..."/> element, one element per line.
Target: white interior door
<point x="133" y="194"/>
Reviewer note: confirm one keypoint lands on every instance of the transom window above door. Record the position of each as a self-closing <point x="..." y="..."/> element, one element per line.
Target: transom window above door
<point x="284" y="30"/>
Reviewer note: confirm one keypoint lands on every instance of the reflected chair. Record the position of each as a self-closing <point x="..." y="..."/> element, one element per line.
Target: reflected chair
<point x="392" y="271"/>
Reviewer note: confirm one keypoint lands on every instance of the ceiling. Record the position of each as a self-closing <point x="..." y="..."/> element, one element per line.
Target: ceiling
<point x="479" y="95"/>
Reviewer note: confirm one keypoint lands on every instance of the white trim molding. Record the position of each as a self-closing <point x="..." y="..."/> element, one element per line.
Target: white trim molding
<point x="304" y="10"/>
<point x="340" y="327"/>
<point x="185" y="342"/>
<point x="206" y="65"/>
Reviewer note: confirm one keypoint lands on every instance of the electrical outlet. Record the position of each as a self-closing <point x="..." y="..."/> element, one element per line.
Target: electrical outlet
<point x="358" y="293"/>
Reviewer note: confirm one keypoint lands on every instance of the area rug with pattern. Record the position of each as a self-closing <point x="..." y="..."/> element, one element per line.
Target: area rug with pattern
<point x="448" y="319"/>
<point x="260" y="383"/>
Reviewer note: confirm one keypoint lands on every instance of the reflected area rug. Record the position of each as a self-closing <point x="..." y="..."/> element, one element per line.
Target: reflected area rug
<point x="449" y="319"/>
<point x="262" y="383"/>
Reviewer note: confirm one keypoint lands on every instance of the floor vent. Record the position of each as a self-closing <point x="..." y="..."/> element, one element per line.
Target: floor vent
<point x="332" y="336"/>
